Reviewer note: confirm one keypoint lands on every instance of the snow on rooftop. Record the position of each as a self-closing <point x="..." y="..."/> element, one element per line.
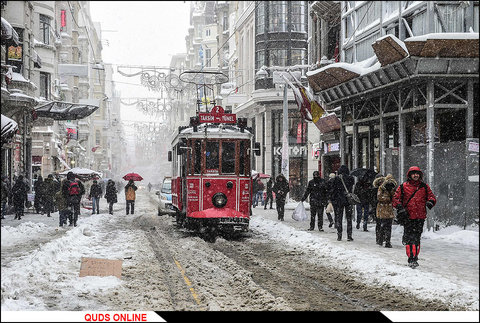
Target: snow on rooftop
<point x="443" y="36"/>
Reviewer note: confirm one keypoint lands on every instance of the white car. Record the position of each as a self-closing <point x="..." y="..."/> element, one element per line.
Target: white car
<point x="165" y="197"/>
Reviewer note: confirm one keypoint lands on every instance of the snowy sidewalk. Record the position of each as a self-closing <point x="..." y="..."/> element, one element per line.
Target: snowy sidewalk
<point x="449" y="259"/>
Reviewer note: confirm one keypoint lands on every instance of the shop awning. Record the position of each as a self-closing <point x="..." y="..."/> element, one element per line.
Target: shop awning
<point x="65" y="110"/>
<point x="9" y="128"/>
<point x="9" y="34"/>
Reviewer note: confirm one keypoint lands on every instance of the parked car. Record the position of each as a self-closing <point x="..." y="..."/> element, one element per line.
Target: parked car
<point x="165" y="197"/>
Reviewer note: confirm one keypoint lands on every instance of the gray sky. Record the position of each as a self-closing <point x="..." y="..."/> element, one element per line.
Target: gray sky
<point x="145" y="33"/>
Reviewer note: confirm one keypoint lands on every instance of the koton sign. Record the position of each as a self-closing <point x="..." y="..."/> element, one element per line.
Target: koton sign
<point x="217" y="115"/>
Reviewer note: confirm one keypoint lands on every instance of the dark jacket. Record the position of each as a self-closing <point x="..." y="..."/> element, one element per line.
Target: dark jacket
<point x="95" y="191"/>
<point x="317" y="189"/>
<point x="49" y="190"/>
<point x="363" y="189"/>
<point x="337" y="192"/>
<point x="269" y="186"/>
<point x="111" y="192"/>
<point x="39" y="188"/>
<point x="281" y="189"/>
<point x="19" y="192"/>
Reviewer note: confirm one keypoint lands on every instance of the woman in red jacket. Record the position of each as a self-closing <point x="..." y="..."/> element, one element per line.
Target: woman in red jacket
<point x="413" y="197"/>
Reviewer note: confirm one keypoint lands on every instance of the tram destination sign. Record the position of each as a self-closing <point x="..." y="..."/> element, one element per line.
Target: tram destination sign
<point x="217" y="115"/>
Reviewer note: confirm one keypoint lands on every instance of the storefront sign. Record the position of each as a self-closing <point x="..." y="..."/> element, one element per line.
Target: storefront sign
<point x="331" y="147"/>
<point x="316" y="151"/>
<point x="293" y="151"/>
<point x="473" y="146"/>
<point x="72" y="133"/>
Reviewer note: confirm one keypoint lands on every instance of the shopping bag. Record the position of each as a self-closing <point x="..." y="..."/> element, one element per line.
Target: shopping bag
<point x="329" y="208"/>
<point x="300" y="214"/>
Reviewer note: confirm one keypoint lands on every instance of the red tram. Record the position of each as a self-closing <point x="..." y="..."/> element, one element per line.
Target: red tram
<point x="211" y="173"/>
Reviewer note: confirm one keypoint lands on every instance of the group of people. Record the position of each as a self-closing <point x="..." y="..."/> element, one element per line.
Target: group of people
<point x="64" y="196"/>
<point x="380" y="197"/>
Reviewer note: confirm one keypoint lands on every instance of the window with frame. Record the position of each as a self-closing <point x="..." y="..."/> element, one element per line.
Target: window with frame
<point x="298" y="16"/>
<point x="364" y="48"/>
<point x="212" y="160"/>
<point x="277" y="15"/>
<point x="45" y="29"/>
<point x="15" y="53"/>
<point x="259" y="58"/>
<point x="208" y="57"/>
<point x="298" y="56"/>
<point x="278" y="57"/>
<point x="368" y="14"/>
<point x="260" y="18"/>
<point x="228" y="157"/>
<point x="451" y="18"/>
<point x="44" y="85"/>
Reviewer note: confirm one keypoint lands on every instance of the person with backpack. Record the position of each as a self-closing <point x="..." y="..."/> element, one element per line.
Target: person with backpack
<point x="317" y="189"/>
<point x="411" y="200"/>
<point x="338" y="187"/>
<point x="95" y="194"/>
<point x="19" y="196"/>
<point x="130" y="189"/>
<point x="73" y="190"/>
<point x="111" y="195"/>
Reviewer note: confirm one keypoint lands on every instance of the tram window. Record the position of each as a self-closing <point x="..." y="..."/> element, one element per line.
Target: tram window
<point x="228" y="157"/>
<point x="211" y="154"/>
<point x="241" y="155"/>
<point x="198" y="157"/>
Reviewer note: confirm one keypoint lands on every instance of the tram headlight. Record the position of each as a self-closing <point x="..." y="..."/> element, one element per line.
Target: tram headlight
<point x="219" y="200"/>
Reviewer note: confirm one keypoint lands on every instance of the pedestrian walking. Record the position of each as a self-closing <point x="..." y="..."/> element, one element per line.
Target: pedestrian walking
<point x="269" y="193"/>
<point x="259" y="194"/>
<point x="49" y="190"/>
<point x="254" y="192"/>
<point x="384" y="209"/>
<point x="39" y="195"/>
<point x="73" y="190"/>
<point x="363" y="190"/>
<point x="318" y="192"/>
<point x="281" y="190"/>
<point x="62" y="206"/>
<point x="19" y="196"/>
<point x="111" y="195"/>
<point x="130" y="189"/>
<point x="338" y="197"/>
<point x="149" y="186"/>
<point x="5" y="194"/>
<point x="412" y="198"/>
<point x="95" y="195"/>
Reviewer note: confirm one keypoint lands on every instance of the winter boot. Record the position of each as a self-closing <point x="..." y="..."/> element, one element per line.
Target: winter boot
<point x="339" y="236"/>
<point x="349" y="238"/>
<point x="388" y="244"/>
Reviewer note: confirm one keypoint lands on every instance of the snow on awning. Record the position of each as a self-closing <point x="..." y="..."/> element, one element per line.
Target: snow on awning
<point x="9" y="127"/>
<point x="59" y="110"/>
<point x="389" y="49"/>
<point x="444" y="45"/>
<point x="9" y="34"/>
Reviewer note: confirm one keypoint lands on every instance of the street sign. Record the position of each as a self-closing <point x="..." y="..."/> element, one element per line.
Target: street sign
<point x="217" y="115"/>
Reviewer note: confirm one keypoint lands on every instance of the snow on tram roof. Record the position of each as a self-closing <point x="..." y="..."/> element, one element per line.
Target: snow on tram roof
<point x="213" y="129"/>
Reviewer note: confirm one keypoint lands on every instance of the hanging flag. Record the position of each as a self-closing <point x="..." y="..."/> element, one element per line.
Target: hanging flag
<point x="302" y="101"/>
<point x="336" y="53"/>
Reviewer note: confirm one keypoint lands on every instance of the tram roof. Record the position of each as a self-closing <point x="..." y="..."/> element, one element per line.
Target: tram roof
<point x="219" y="131"/>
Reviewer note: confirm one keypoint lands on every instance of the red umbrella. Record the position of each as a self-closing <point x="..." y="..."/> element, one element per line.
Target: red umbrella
<point x="133" y="176"/>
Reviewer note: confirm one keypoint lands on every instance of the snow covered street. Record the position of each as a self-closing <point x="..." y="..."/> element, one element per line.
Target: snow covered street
<point x="41" y="262"/>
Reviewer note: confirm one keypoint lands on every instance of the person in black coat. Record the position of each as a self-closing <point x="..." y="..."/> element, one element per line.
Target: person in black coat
<point x="95" y="194"/>
<point x="339" y="200"/>
<point x="39" y="188"/>
<point x="19" y="196"/>
<point x="111" y="195"/>
<point x="281" y="190"/>
<point x="269" y="193"/>
<point x="363" y="189"/>
<point x="317" y="189"/>
<point x="73" y="190"/>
